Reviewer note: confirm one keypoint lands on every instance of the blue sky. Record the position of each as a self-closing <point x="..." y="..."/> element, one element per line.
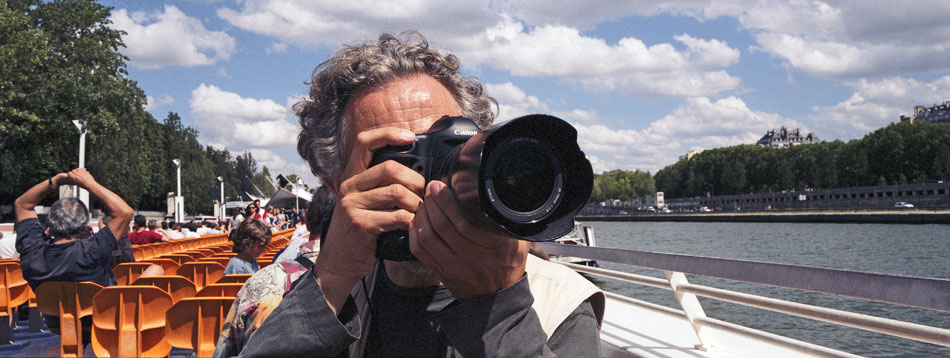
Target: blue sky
<point x="642" y="81"/>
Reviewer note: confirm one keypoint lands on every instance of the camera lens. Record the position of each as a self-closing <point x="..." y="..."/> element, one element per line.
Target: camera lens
<point x="525" y="177"/>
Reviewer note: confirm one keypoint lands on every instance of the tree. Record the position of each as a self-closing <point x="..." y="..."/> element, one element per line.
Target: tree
<point x="60" y="61"/>
<point x="264" y="182"/>
<point x="64" y="64"/>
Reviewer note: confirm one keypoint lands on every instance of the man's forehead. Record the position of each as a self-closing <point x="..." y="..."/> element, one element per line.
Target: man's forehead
<point x="412" y="103"/>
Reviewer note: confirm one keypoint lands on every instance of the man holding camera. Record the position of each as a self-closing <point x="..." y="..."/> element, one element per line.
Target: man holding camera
<point x="469" y="293"/>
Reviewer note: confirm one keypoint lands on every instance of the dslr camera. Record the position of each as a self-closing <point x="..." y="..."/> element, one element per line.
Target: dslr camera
<point x="526" y="176"/>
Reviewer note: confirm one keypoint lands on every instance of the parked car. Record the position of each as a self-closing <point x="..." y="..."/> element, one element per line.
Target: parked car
<point x="902" y="204"/>
<point x="665" y="210"/>
<point x="705" y="209"/>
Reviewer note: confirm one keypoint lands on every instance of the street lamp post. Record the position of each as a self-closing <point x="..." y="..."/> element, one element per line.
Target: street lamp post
<point x="81" y="125"/>
<point x="221" y="202"/>
<point x="179" y="200"/>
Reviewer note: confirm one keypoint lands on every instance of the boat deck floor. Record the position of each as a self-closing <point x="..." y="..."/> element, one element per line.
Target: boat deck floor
<point x="634" y="328"/>
<point x="46" y="344"/>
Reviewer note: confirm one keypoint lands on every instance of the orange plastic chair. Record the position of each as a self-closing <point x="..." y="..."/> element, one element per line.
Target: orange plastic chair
<point x="148" y="252"/>
<point x="138" y="253"/>
<point x="14" y="291"/>
<point x="204" y="252"/>
<point x="36" y="320"/>
<point x="127" y="272"/>
<point x="225" y="254"/>
<point x="220" y="290"/>
<point x="195" y="323"/>
<point x="162" y="248"/>
<point x="221" y="260"/>
<point x="216" y="249"/>
<point x="129" y="321"/>
<point x="234" y="278"/>
<point x="170" y="266"/>
<point x="179" y="258"/>
<point x="70" y="301"/>
<point x="176" y="286"/>
<point x="201" y="273"/>
<point x="195" y="255"/>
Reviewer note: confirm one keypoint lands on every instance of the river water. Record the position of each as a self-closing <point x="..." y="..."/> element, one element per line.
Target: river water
<point x="911" y="250"/>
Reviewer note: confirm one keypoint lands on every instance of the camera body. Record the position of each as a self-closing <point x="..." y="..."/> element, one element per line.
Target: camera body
<point x="431" y="152"/>
<point x="527" y="176"/>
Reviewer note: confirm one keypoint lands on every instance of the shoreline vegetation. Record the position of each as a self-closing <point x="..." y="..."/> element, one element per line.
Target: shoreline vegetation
<point x="838" y="217"/>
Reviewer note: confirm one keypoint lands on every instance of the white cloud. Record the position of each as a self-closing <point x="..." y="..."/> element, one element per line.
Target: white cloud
<point x="697" y="123"/>
<point x="843" y="39"/>
<point x="170" y="38"/>
<point x="874" y="104"/>
<point x="629" y="66"/>
<point x="513" y="102"/>
<point x="329" y="21"/>
<point x="261" y="126"/>
<point x="152" y="102"/>
<point x="227" y="118"/>
<point x="277" y="48"/>
<point x="489" y="37"/>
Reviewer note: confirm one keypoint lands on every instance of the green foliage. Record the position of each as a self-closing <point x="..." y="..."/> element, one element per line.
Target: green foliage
<point x="889" y="155"/>
<point x="59" y="61"/>
<point x="623" y="185"/>
<point x="264" y="182"/>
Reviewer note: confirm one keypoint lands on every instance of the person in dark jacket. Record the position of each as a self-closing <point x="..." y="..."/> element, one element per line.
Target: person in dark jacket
<point x="70" y="253"/>
<point x="468" y="294"/>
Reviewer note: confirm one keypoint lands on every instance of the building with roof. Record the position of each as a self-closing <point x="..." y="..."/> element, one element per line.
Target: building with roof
<point x="784" y="138"/>
<point x="938" y="113"/>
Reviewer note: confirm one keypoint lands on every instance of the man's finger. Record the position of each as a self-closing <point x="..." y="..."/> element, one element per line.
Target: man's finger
<point x="388" y="172"/>
<point x="420" y="235"/>
<point x="387" y="197"/>
<point x="380" y="221"/>
<point x="445" y="232"/>
<point x="368" y="141"/>
<point x="444" y="198"/>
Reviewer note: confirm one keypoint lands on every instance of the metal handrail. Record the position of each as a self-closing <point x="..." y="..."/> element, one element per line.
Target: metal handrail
<point x="920" y="292"/>
<point x="908" y="330"/>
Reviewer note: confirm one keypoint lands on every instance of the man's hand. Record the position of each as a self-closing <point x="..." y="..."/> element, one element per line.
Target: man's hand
<point x="470" y="260"/>
<point x="78" y="176"/>
<point x="370" y="202"/>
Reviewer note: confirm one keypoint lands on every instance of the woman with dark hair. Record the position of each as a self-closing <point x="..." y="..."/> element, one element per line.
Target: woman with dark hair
<point x="250" y="239"/>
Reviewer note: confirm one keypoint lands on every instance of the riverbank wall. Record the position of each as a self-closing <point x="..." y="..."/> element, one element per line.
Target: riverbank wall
<point x="800" y="217"/>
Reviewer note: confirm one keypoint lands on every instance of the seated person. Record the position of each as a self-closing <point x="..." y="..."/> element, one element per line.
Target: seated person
<point x="8" y="246"/>
<point x="472" y="291"/>
<point x="250" y="239"/>
<point x="70" y="254"/>
<point x="123" y="251"/>
<point x="264" y="291"/>
<point x="189" y="230"/>
<point x="141" y="234"/>
<point x="174" y="231"/>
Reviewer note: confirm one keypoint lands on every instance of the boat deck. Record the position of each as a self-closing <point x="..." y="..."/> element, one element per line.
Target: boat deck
<point x="634" y="328"/>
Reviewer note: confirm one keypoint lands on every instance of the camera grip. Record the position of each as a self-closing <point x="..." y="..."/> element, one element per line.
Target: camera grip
<point x="394" y="246"/>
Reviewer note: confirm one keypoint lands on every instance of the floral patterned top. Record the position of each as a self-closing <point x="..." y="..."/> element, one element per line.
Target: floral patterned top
<point x="260" y="295"/>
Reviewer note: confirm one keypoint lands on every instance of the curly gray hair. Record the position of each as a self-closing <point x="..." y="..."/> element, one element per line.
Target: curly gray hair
<point x="68" y="217"/>
<point x="370" y="65"/>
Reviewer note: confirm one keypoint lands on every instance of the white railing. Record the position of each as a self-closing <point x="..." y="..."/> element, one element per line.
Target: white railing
<point x="927" y="293"/>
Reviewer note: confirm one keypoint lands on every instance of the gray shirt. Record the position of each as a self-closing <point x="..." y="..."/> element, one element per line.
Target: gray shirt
<point x="238" y="266"/>
<point x="502" y="324"/>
